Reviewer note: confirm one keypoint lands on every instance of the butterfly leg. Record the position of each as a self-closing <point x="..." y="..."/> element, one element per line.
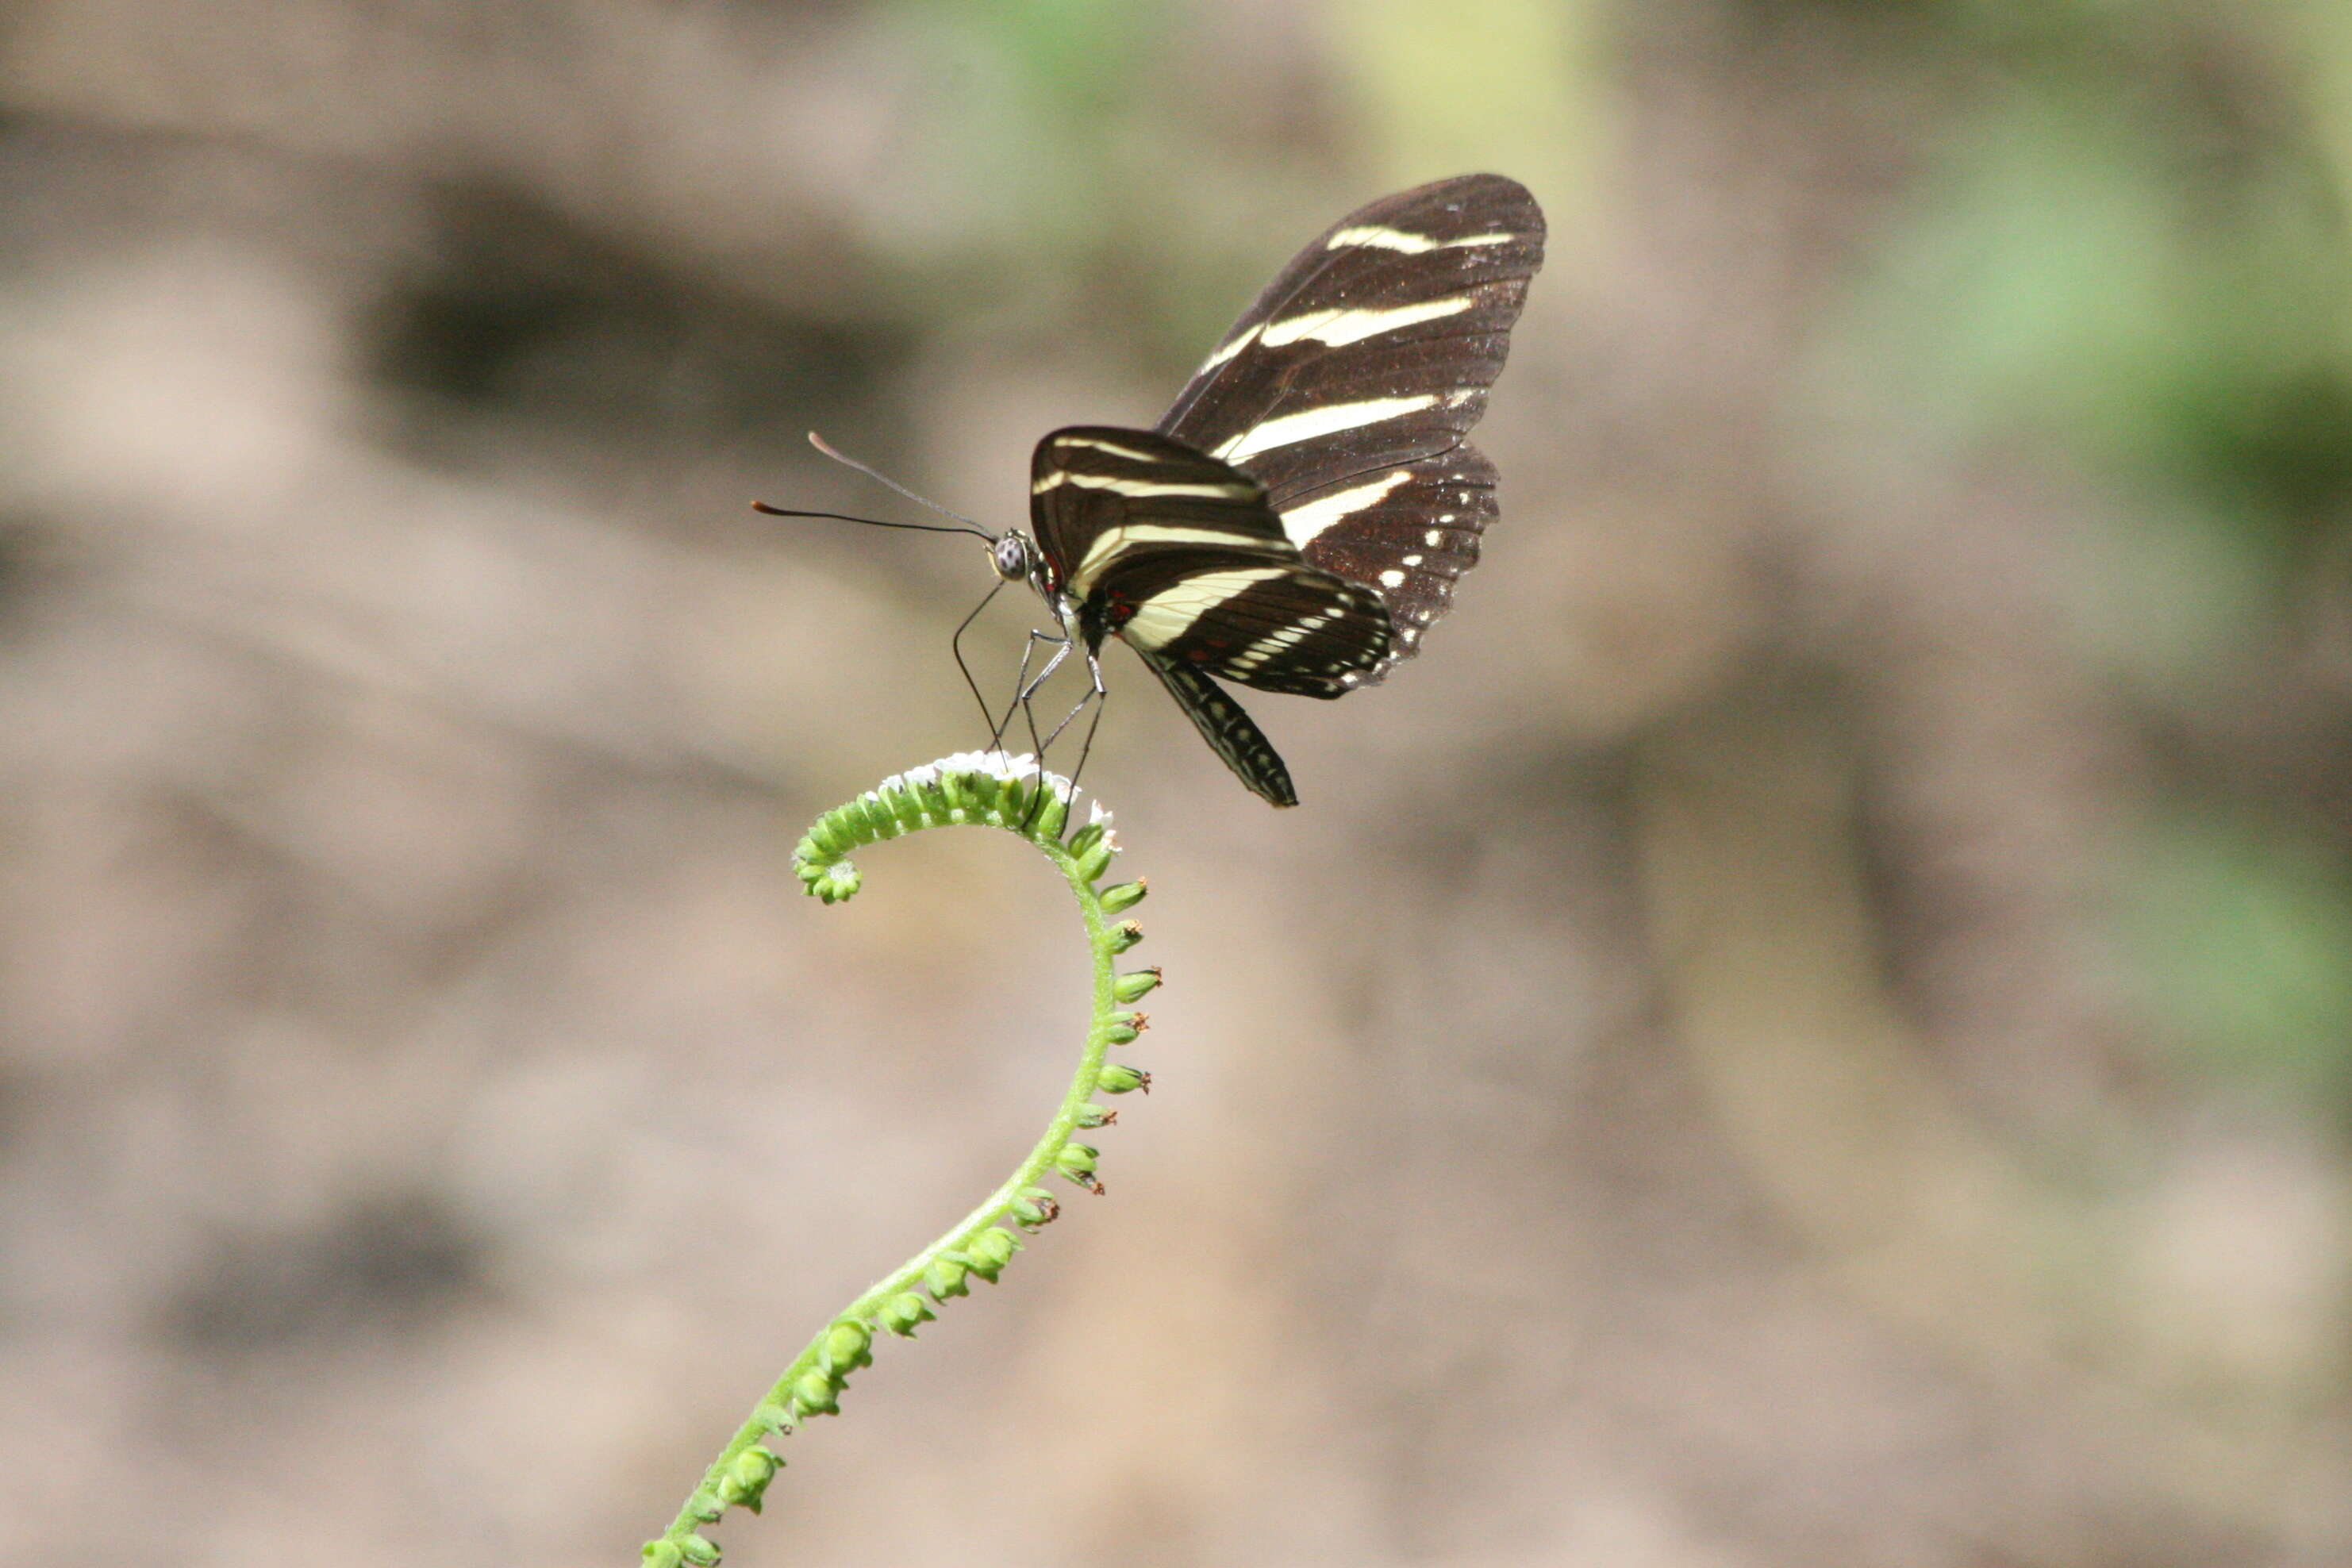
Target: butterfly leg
<point x="1024" y="686"/>
<point x="1100" y="697"/>
<point x="1094" y="668"/>
<point x="1096" y="695"/>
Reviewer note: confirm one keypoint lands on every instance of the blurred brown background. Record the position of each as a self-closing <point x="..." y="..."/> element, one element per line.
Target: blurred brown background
<point x="1814" y="1026"/>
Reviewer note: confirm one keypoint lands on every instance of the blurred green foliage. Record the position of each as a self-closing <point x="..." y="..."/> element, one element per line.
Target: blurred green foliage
<point x="1083" y="165"/>
<point x="2132" y="249"/>
<point x="2242" y="934"/>
<point x="1522" y="100"/>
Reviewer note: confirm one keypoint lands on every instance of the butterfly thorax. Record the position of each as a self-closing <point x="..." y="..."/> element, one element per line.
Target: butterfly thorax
<point x="1103" y="613"/>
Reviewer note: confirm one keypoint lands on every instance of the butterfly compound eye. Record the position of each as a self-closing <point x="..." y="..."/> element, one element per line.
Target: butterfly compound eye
<point x="1011" y="555"/>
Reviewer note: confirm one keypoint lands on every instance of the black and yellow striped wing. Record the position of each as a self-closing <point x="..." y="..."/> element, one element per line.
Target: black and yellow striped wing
<point x="1177" y="553"/>
<point x="1348" y="389"/>
<point x="1301" y="515"/>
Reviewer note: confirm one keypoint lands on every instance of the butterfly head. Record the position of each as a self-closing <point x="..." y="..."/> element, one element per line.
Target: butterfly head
<point x="1018" y="559"/>
<point x="1012" y="554"/>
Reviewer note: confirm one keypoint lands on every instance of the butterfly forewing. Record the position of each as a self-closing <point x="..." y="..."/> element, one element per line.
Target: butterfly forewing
<point x="1100" y="496"/>
<point x="1347" y="386"/>
<point x="1179" y="553"/>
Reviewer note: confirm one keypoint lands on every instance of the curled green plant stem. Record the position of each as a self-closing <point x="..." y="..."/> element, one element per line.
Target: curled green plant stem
<point x="971" y="789"/>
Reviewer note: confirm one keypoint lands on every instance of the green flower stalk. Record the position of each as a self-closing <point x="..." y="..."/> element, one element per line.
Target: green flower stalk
<point x="974" y="789"/>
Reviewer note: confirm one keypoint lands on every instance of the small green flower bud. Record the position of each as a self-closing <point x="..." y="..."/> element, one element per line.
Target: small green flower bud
<point x="902" y="1314"/>
<point x="845" y="1349"/>
<point x="1124" y="935"/>
<point x="747" y="1474"/>
<point x="1077" y="1161"/>
<point x="814" y="1395"/>
<point x="701" y="1551"/>
<point x="705" y="1506"/>
<point x="1124" y="1027"/>
<point x="1119" y="1078"/>
<point x="662" y="1554"/>
<point x="838" y="882"/>
<point x="1124" y="896"/>
<point x="774" y="1419"/>
<point x="991" y="1250"/>
<point x="1135" y="988"/>
<point x="945" y="1276"/>
<point x="1036" y="1206"/>
<point x="1093" y="1116"/>
<point x="1084" y="839"/>
<point x="1095" y="859"/>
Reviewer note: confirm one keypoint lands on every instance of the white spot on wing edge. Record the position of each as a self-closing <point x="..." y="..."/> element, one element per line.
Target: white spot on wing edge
<point x="1274" y="642"/>
<point x="1309" y="424"/>
<point x="1306" y="522"/>
<point x="1383" y="238"/>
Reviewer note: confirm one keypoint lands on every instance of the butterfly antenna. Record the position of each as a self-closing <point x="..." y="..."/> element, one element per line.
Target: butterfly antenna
<point x="955" y="648"/>
<point x="763" y="508"/>
<point x="881" y="478"/>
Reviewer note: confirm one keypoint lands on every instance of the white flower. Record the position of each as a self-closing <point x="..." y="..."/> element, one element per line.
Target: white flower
<point x="1008" y="766"/>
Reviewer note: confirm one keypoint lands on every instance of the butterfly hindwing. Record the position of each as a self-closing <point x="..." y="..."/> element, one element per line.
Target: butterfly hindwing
<point x="1408" y="531"/>
<point x="1298" y="630"/>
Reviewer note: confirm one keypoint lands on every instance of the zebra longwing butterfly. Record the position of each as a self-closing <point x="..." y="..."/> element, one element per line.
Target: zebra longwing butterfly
<point x="1298" y="518"/>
